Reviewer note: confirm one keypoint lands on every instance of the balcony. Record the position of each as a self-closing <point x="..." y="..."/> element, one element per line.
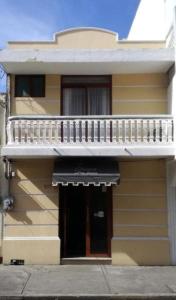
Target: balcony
<point x="90" y="136"/>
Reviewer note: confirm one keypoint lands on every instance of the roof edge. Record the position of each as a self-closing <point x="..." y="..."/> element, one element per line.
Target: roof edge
<point x="72" y="29"/>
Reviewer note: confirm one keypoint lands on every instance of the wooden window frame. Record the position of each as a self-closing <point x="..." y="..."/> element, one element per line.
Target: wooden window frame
<point x="87" y="85"/>
<point x="30" y="79"/>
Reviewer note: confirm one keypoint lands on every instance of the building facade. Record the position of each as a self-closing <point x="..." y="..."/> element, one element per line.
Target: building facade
<point x="3" y="183"/>
<point x="90" y="148"/>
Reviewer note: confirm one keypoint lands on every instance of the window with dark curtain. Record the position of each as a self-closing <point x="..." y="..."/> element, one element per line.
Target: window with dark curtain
<point x="86" y="95"/>
<point x="30" y="86"/>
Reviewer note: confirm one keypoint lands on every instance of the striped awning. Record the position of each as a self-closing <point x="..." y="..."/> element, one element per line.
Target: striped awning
<point x="86" y="171"/>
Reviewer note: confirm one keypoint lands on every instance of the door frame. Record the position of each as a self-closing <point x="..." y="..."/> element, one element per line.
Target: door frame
<point x="63" y="211"/>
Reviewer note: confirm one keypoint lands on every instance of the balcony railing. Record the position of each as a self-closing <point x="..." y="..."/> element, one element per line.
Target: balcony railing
<point x="118" y="130"/>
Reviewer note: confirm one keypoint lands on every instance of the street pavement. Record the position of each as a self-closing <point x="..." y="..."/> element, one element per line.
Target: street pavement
<point x="87" y="282"/>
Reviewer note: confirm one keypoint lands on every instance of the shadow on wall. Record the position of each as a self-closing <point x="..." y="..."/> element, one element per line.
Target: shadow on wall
<point x="36" y="201"/>
<point x="36" y="106"/>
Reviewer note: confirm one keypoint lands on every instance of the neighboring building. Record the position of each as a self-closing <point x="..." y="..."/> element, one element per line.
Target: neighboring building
<point x="90" y="150"/>
<point x="3" y="188"/>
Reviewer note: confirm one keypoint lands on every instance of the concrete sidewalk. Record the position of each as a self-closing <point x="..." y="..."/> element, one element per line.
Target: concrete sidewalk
<point x="87" y="282"/>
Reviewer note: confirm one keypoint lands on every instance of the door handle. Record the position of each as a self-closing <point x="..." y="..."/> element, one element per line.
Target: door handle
<point x="99" y="214"/>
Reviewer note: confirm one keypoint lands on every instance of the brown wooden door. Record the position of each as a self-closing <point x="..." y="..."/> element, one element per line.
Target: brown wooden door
<point x="85" y="221"/>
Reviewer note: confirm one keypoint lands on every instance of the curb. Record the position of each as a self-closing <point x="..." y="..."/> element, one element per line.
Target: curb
<point x="93" y="297"/>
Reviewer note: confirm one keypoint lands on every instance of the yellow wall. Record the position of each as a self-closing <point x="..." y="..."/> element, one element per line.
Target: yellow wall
<point x="86" y="39"/>
<point x="140" y="232"/>
<point x="33" y="222"/>
<point x="139" y="94"/>
<point x="131" y="94"/>
<point x="38" y="106"/>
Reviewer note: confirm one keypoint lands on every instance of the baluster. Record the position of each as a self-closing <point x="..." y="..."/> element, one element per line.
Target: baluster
<point x="132" y="128"/>
<point x="71" y="132"/>
<point x="124" y="130"/>
<point x="145" y="131"/>
<point x="32" y="131"/>
<point x="170" y="131"/>
<point x="101" y="131"/>
<point x="151" y="131"/>
<point x="38" y="131"/>
<point x="160" y="131"/>
<point x="65" y="136"/>
<point x="89" y="131"/>
<point x="16" y="132"/>
<point x="120" y="131"/>
<point x="23" y="131"/>
<point x="77" y="131"/>
<point x="95" y="134"/>
<point x="157" y="134"/>
<point x="43" y="132"/>
<point x="58" y="135"/>
<point x="114" y="131"/>
<point x="83" y="130"/>
<point x="10" y="129"/>
<point x="52" y="131"/>
<point x="108" y="131"/>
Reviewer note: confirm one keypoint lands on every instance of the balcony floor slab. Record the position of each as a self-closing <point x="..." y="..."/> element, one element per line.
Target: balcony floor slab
<point x="111" y="150"/>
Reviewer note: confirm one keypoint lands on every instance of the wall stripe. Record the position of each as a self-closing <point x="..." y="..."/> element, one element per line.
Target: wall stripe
<point x="141" y="225"/>
<point x="140" y="210"/>
<point x="33" y="225"/>
<point x="138" y="195"/>
<point x="139" y="100"/>
<point x="26" y="238"/>
<point x="141" y="238"/>
<point x="138" y="86"/>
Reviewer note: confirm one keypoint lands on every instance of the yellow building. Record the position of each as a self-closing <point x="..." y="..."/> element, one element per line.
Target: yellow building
<point x="90" y="144"/>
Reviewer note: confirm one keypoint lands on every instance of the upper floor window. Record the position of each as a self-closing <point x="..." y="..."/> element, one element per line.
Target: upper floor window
<point x="86" y="95"/>
<point x="30" y="86"/>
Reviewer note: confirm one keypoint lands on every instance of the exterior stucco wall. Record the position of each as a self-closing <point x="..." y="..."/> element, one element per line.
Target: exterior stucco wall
<point x="139" y="94"/>
<point x="31" y="228"/>
<point x="139" y="215"/>
<point x="50" y="104"/>
<point x="140" y="230"/>
<point x="3" y="182"/>
<point x="86" y="38"/>
<point x="131" y="94"/>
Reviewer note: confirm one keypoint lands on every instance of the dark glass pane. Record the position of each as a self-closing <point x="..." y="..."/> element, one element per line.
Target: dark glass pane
<point x="22" y="88"/>
<point x="76" y="221"/>
<point x="38" y="86"/>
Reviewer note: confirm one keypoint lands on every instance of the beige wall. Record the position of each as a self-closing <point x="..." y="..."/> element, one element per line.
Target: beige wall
<point x="33" y="223"/>
<point x="86" y="39"/>
<point x="139" y="94"/>
<point x="38" y="106"/>
<point x="131" y="94"/>
<point x="140" y="232"/>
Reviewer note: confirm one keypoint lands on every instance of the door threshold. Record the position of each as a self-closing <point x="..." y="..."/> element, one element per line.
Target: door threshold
<point x="86" y="261"/>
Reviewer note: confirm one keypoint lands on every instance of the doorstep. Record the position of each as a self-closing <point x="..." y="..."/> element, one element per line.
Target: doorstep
<point x="86" y="261"/>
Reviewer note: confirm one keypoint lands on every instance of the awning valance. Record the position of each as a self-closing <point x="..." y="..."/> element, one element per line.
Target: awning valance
<point x="86" y="171"/>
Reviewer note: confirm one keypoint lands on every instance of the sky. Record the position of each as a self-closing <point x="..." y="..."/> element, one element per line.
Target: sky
<point x="40" y="19"/>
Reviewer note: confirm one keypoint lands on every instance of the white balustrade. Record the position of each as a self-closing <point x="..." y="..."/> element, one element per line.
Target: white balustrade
<point x="105" y="129"/>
